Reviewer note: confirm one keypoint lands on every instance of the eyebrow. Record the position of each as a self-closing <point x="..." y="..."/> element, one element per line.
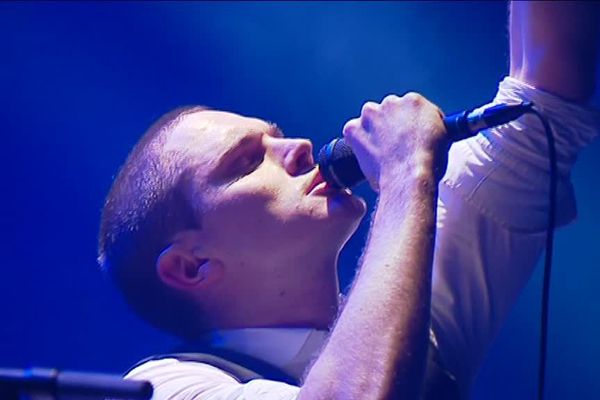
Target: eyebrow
<point x="274" y="130"/>
<point x="238" y="146"/>
<point x="225" y="159"/>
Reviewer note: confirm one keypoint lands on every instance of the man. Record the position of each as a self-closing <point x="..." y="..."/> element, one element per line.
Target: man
<point x="220" y="230"/>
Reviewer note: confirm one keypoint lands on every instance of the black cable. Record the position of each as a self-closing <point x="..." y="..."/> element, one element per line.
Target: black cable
<point x="548" y="253"/>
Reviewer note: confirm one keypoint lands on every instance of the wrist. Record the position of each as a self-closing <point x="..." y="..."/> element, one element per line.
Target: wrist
<point x="414" y="175"/>
<point x="412" y="195"/>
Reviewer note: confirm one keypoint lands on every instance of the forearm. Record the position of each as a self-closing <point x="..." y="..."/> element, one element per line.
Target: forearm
<point x="377" y="349"/>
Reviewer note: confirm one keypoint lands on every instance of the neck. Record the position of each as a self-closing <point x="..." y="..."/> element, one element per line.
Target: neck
<point x="297" y="292"/>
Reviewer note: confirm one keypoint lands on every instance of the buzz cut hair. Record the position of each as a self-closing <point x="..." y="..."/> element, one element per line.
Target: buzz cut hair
<point x="148" y="203"/>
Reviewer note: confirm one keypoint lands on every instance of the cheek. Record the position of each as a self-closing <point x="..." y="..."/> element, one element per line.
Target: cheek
<point x="242" y="217"/>
<point x="266" y="194"/>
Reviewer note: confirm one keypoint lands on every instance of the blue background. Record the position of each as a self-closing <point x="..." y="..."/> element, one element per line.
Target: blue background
<point x="80" y="82"/>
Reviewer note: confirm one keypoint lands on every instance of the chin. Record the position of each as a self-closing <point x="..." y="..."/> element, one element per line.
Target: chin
<point x="347" y="206"/>
<point x="343" y="219"/>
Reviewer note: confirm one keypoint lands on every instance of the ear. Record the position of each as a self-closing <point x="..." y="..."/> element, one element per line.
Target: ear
<point x="182" y="269"/>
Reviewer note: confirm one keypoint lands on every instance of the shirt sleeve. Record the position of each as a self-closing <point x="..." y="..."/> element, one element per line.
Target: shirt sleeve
<point x="183" y="380"/>
<point x="492" y="217"/>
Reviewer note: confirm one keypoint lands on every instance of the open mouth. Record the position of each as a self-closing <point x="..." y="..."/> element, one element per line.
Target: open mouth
<point x="318" y="186"/>
<point x="317" y="182"/>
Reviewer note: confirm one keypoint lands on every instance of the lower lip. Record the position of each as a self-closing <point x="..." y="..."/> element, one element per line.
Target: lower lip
<point x="323" y="189"/>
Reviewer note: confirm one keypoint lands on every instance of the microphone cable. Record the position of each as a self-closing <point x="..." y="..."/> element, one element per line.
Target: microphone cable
<point x="548" y="252"/>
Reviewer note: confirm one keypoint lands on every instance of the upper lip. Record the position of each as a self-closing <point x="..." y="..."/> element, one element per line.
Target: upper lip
<point x="316" y="179"/>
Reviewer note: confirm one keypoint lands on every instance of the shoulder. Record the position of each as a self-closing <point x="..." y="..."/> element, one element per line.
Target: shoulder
<point x="174" y="379"/>
<point x="164" y="368"/>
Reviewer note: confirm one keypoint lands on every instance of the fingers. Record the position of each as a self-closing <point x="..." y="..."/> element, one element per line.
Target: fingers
<point x="351" y="127"/>
<point x="391" y="132"/>
<point x="359" y="140"/>
<point x="371" y="112"/>
<point x="354" y="132"/>
<point x="368" y="115"/>
<point x="390" y="101"/>
<point x="414" y="99"/>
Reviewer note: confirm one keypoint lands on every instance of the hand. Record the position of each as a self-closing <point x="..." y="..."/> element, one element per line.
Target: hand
<point x="402" y="135"/>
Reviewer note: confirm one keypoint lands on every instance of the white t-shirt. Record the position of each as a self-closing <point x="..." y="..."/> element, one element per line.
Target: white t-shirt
<point x="492" y="215"/>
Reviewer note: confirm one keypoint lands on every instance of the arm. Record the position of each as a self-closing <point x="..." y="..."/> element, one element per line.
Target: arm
<point x="486" y="258"/>
<point x="493" y="205"/>
<point x="554" y="46"/>
<point x="378" y="346"/>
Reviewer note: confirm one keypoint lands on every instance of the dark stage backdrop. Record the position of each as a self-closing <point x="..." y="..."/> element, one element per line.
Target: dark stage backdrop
<point x="79" y="82"/>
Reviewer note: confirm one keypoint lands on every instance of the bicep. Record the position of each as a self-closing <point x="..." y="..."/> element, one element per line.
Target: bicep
<point x="554" y="46"/>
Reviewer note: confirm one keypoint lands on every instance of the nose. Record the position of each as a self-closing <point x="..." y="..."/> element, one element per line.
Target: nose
<point x="295" y="155"/>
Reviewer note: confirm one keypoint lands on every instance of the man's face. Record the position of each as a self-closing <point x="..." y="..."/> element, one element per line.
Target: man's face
<point x="261" y="193"/>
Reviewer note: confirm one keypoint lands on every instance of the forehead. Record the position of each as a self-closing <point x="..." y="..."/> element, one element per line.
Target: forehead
<point x="209" y="134"/>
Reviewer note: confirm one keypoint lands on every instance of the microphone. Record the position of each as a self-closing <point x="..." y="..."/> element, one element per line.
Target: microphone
<point x="339" y="165"/>
<point x="53" y="383"/>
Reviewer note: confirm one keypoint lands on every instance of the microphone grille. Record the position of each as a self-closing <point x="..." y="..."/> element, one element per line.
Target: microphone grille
<point x="339" y="165"/>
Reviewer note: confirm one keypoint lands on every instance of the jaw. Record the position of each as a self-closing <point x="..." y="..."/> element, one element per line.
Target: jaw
<point x="301" y="291"/>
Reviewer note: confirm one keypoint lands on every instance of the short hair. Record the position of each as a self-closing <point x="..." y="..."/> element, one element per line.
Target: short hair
<point x="146" y="206"/>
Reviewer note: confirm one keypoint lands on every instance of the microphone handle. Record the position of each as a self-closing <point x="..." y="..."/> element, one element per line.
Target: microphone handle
<point x="465" y="124"/>
<point x="339" y="165"/>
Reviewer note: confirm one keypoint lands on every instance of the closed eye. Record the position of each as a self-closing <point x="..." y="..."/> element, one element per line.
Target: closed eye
<point x="250" y="162"/>
<point x="240" y="160"/>
<point x="245" y="164"/>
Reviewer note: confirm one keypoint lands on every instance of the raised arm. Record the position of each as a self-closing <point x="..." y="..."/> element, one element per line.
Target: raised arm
<point x="554" y="46"/>
<point x="378" y="346"/>
<point x="493" y="210"/>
